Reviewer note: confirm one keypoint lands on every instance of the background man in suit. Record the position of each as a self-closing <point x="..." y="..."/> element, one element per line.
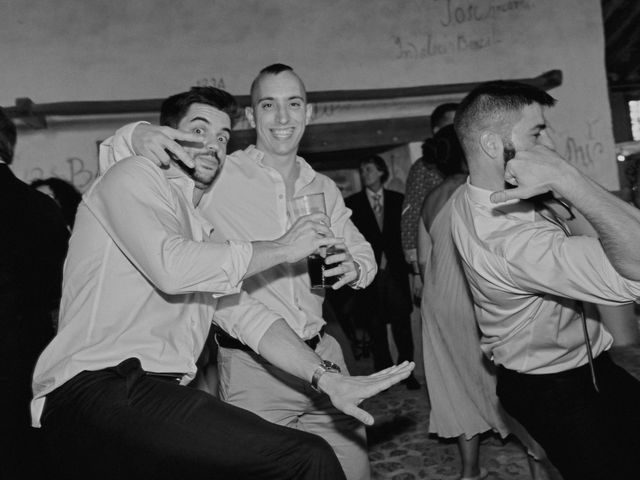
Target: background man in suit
<point x="376" y="213"/>
<point x="33" y="245"/>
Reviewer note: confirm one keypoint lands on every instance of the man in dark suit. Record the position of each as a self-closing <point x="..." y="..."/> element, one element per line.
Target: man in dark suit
<point x="376" y="213"/>
<point x="33" y="245"/>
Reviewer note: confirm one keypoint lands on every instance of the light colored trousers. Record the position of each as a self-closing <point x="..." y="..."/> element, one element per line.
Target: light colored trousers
<point x="249" y="382"/>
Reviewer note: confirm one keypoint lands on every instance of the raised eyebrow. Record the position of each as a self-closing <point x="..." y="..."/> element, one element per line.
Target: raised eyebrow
<point x="272" y="99"/>
<point x="202" y="119"/>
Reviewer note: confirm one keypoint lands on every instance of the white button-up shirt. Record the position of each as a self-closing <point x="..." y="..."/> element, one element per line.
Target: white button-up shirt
<point x="139" y="264"/>
<point x="249" y="202"/>
<point x="525" y="276"/>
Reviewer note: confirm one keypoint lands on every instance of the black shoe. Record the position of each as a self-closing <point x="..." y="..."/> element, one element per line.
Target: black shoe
<point x="411" y="383"/>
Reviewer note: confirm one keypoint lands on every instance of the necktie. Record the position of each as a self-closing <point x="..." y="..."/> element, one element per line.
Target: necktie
<point x="377" y="208"/>
<point x="549" y="214"/>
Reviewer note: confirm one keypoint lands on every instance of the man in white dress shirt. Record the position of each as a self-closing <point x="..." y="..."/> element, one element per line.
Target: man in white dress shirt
<point x="249" y="202"/>
<point x="528" y="277"/>
<point x="136" y="309"/>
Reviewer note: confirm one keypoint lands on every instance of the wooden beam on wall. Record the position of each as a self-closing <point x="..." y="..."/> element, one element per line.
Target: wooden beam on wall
<point x="546" y="81"/>
<point x="332" y="137"/>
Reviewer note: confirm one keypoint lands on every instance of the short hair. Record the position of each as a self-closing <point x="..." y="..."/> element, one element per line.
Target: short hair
<point x="274" y="69"/>
<point x="380" y="164"/>
<point x="447" y="152"/>
<point x="67" y="196"/>
<point x="438" y="114"/>
<point x="8" y="137"/>
<point x="175" y="107"/>
<point x="497" y="104"/>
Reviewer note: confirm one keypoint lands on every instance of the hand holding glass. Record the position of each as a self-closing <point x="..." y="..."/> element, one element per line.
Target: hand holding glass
<point x="305" y="205"/>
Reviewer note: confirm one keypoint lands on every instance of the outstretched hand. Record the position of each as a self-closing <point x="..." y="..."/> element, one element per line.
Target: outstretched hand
<point x="533" y="172"/>
<point x="159" y="143"/>
<point x="347" y="393"/>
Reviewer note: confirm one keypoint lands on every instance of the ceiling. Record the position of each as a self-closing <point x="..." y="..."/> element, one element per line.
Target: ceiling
<point x="622" y="42"/>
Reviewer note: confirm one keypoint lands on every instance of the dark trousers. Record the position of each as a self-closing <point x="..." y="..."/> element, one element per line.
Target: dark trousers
<point x="119" y="423"/>
<point x="386" y="300"/>
<point x="586" y="434"/>
<point x="23" y="338"/>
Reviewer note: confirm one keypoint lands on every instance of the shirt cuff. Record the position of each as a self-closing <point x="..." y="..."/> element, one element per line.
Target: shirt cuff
<point x="235" y="267"/>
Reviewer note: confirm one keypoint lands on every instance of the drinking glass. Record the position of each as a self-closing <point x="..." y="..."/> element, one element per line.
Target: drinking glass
<point x="305" y="205"/>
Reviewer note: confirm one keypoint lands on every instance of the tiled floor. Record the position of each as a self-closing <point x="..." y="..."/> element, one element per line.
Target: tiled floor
<point x="401" y="449"/>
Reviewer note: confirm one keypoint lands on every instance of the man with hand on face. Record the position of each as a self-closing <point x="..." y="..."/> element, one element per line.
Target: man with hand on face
<point x="136" y="310"/>
<point x="528" y="277"/>
<point x="250" y="201"/>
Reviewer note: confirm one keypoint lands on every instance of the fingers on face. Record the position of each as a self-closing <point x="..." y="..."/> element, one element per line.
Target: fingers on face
<point x="179" y="152"/>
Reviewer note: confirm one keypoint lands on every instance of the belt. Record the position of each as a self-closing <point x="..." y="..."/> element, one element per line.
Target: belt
<point x="225" y="340"/>
<point x="166" y="377"/>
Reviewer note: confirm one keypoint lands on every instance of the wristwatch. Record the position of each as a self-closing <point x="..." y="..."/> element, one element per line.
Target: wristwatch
<point x="324" y="367"/>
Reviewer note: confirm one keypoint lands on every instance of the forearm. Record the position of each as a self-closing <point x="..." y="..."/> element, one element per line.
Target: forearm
<point x="266" y="254"/>
<point x="616" y="222"/>
<point x="282" y="347"/>
<point x="424" y="242"/>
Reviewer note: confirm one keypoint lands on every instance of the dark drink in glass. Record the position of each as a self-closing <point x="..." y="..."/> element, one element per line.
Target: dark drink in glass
<point x="317" y="267"/>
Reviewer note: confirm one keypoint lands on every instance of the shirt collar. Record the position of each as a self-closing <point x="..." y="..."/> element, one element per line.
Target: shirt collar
<point x="518" y="208"/>
<point x="371" y="193"/>
<point x="307" y="173"/>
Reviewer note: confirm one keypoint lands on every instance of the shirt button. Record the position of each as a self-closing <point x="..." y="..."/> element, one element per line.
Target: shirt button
<point x="280" y="196"/>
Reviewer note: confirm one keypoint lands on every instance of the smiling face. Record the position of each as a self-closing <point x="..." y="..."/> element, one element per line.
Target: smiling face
<point x="214" y="128"/>
<point x="279" y="113"/>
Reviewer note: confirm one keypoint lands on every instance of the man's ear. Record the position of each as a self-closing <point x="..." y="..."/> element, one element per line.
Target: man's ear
<point x="491" y="144"/>
<point x="248" y="112"/>
<point x="309" y="113"/>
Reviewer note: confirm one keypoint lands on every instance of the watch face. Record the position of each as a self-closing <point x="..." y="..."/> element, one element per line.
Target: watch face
<point x="330" y="366"/>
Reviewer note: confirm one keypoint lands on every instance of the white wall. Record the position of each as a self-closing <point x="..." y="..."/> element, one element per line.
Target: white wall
<point x="67" y="50"/>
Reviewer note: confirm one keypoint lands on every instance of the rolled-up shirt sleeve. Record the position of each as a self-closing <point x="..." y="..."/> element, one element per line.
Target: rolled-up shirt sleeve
<point x="541" y="258"/>
<point x="358" y="246"/>
<point x="135" y="205"/>
<point x="116" y="147"/>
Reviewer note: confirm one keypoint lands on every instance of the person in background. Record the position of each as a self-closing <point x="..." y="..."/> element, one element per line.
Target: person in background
<point x="33" y="245"/>
<point x="140" y="288"/>
<point x="249" y="202"/>
<point x="460" y="380"/>
<point x="460" y="377"/>
<point x="64" y="193"/>
<point x="422" y="178"/>
<point x="376" y="213"/>
<point x="528" y="277"/>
